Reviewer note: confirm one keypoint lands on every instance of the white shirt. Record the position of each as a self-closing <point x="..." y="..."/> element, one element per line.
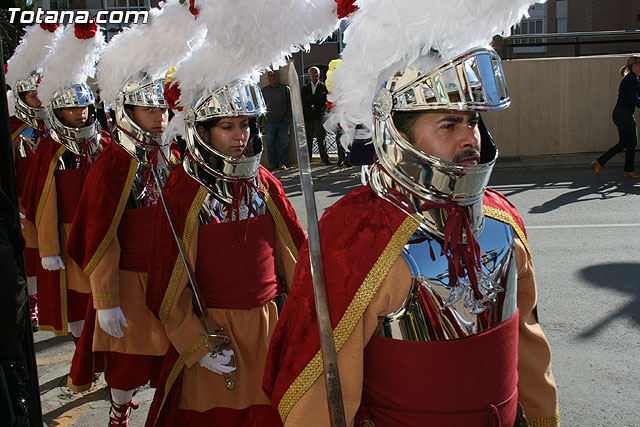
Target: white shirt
<point x="314" y="86"/>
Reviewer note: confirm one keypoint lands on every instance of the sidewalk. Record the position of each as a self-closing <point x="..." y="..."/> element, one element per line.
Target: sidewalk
<point x="321" y="171"/>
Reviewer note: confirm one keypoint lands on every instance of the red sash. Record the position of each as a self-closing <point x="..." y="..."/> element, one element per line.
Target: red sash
<point x="466" y="382"/>
<point x="134" y="232"/>
<point x="242" y="274"/>
<point x="68" y="187"/>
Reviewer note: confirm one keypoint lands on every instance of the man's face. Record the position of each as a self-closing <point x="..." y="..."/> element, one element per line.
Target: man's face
<point x="313" y="74"/>
<point x="74" y="117"/>
<point x="150" y="119"/>
<point x="452" y="136"/>
<point x="32" y="100"/>
<point x="273" y="78"/>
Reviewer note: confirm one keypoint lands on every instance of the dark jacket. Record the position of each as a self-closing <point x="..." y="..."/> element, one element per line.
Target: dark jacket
<point x="314" y="104"/>
<point x="629" y="93"/>
<point x="13" y="295"/>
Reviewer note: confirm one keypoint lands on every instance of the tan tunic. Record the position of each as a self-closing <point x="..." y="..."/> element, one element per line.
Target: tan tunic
<point x="112" y="287"/>
<point x="250" y="332"/>
<point x="537" y="387"/>
<point x="51" y="240"/>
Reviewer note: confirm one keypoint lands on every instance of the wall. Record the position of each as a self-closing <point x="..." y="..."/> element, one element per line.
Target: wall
<point x="558" y="106"/>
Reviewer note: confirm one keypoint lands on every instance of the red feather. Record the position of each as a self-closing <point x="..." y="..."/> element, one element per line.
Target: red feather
<point x="192" y="8"/>
<point x="49" y="27"/>
<point x="346" y="7"/>
<point x="172" y="95"/>
<point x="86" y="31"/>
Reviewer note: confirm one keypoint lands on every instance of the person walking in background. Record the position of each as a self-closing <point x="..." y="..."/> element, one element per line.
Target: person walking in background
<point x="278" y="101"/>
<point x="628" y="100"/>
<point x="314" y="105"/>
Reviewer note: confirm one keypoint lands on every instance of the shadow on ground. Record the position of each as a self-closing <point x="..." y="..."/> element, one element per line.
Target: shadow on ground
<point x="619" y="277"/>
<point x="576" y="187"/>
<point x="49" y="343"/>
<point x="99" y="394"/>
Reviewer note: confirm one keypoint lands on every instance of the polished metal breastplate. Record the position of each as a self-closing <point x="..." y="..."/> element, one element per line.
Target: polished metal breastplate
<point x="433" y="311"/>
<point x="214" y="208"/>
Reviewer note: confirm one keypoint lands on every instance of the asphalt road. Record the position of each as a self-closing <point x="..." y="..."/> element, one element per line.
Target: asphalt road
<point x="584" y="232"/>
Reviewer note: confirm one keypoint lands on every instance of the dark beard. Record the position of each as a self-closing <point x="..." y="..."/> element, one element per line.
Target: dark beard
<point x="470" y="152"/>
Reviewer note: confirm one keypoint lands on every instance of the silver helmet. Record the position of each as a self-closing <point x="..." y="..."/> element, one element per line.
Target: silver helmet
<point x="139" y="90"/>
<point x="84" y="140"/>
<point x="473" y="81"/>
<point x="36" y="117"/>
<point x="210" y="167"/>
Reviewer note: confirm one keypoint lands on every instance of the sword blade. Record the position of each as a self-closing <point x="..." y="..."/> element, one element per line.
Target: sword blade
<point x="200" y="307"/>
<point x="327" y="345"/>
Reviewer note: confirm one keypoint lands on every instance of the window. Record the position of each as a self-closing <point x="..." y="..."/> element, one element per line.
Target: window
<point x="535" y="24"/>
<point x="123" y="5"/>
<point x="561" y="16"/>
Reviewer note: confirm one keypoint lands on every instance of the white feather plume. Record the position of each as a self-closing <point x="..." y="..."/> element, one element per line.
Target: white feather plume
<point x="245" y="37"/>
<point x="11" y="103"/>
<point x="385" y="36"/>
<point x="153" y="47"/>
<point x="72" y="62"/>
<point x="35" y="45"/>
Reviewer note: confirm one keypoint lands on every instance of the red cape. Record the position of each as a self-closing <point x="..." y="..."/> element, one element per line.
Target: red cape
<point x="362" y="236"/>
<point x="21" y="163"/>
<point x="17" y="126"/>
<point x="40" y="177"/>
<point x="103" y="200"/>
<point x="185" y="197"/>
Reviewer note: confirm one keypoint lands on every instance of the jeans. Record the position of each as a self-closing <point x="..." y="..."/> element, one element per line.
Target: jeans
<point x="277" y="141"/>
<point x="628" y="135"/>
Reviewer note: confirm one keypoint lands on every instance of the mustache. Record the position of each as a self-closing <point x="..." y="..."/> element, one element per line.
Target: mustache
<point x="470" y="152"/>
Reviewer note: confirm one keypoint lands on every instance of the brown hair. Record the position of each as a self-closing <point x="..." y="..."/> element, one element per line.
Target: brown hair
<point x="635" y="59"/>
<point x="405" y="120"/>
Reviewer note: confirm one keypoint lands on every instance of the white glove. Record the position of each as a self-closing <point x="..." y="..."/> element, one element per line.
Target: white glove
<point x="218" y="362"/>
<point x="52" y="263"/>
<point x="110" y="320"/>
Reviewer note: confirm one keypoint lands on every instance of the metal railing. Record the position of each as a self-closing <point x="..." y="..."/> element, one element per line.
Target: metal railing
<point x="576" y="39"/>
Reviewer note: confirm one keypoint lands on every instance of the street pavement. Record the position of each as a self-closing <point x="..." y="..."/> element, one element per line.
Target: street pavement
<point x="584" y="233"/>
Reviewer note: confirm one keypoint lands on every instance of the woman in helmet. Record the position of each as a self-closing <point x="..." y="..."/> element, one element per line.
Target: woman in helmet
<point x="241" y="237"/>
<point x="57" y="174"/>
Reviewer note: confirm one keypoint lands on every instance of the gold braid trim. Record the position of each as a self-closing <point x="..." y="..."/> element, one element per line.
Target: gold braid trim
<point x="545" y="422"/>
<point x="279" y="220"/>
<point x="63" y="308"/>
<point x="49" y="247"/>
<point x="115" y="222"/>
<point x="47" y="184"/>
<point x="177" y="369"/>
<point x="502" y="216"/>
<point x="352" y="315"/>
<point x="18" y="131"/>
<point x="106" y="297"/>
<point x="178" y="267"/>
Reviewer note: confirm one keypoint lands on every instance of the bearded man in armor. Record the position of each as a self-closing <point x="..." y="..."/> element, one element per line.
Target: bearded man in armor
<point x="431" y="287"/>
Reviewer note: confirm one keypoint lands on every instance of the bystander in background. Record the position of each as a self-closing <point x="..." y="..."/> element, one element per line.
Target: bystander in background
<point x="314" y="105"/>
<point x="628" y="100"/>
<point x="276" y="97"/>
